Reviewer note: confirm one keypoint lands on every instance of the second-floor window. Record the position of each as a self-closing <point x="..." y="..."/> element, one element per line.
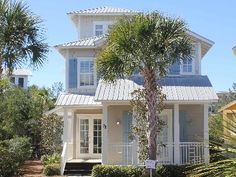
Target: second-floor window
<point x="86" y="73"/>
<point x="99" y="30"/>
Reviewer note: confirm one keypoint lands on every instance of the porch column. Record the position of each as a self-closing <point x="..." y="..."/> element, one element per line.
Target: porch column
<point x="105" y="134"/>
<point x="134" y="147"/>
<point x="206" y="134"/>
<point x="65" y="127"/>
<point x="176" y="135"/>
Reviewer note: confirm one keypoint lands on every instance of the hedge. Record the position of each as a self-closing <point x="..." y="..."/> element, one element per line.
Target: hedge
<point x="51" y="170"/>
<point x="133" y="171"/>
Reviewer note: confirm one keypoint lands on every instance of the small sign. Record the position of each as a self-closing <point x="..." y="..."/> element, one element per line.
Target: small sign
<point x="150" y="164"/>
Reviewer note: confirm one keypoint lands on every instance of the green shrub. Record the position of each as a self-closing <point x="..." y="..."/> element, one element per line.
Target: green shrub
<point x="50" y="159"/>
<point x="116" y="171"/>
<point x="51" y="170"/>
<point x="13" y="154"/>
<point x="172" y="170"/>
<point x="132" y="171"/>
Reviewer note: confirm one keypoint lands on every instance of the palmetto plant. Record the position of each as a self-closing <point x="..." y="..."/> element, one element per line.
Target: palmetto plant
<point x="148" y="43"/>
<point x="21" y="37"/>
<point x="225" y="166"/>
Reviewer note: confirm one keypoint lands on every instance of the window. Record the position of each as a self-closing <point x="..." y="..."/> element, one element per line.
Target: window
<point x="86" y="73"/>
<point x="21" y="82"/>
<point x="98" y="30"/>
<point x="13" y="80"/>
<point x="188" y="65"/>
<point x="174" y="69"/>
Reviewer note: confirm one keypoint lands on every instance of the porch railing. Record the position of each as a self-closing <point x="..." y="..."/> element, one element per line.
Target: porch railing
<point x="190" y="153"/>
<point x="65" y="155"/>
<point x="121" y="154"/>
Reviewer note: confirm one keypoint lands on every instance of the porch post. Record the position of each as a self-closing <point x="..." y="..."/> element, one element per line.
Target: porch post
<point x="105" y="134"/>
<point x="134" y="146"/>
<point x="176" y="135"/>
<point x="65" y="127"/>
<point x="206" y="134"/>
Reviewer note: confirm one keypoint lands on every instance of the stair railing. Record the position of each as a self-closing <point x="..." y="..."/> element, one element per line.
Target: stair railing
<point x="63" y="157"/>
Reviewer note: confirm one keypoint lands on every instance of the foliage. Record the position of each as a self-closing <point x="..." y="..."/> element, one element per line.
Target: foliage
<point x="13" y="153"/>
<point x="225" y="98"/>
<point x="116" y="171"/>
<point x="133" y="171"/>
<point x="147" y="43"/>
<point x="21" y="35"/>
<point x="225" y="166"/>
<point x="51" y="170"/>
<point x="51" y="133"/>
<point x="21" y="112"/>
<point x="51" y="159"/>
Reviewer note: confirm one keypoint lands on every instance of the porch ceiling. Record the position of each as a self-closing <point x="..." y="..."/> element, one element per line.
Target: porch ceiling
<point x="179" y="88"/>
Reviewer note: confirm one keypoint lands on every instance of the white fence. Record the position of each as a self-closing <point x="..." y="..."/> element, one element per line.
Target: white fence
<point x="190" y="153"/>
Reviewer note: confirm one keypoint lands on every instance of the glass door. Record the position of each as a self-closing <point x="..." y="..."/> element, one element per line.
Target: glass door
<point x="89" y="137"/>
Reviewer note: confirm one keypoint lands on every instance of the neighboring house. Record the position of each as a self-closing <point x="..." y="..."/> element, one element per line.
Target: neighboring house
<point x="20" y="77"/>
<point x="97" y="115"/>
<point x="229" y="113"/>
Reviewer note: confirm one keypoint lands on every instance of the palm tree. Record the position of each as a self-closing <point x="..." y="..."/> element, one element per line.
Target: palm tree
<point x="148" y="43"/>
<point x="225" y="165"/>
<point x="21" y="38"/>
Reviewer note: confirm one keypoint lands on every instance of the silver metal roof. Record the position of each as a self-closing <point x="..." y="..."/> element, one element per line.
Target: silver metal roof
<point x="182" y="88"/>
<point x="103" y="10"/>
<point x="87" y="42"/>
<point x="69" y="99"/>
<point x="20" y="72"/>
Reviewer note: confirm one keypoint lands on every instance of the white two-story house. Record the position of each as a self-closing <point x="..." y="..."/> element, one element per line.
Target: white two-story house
<point x="97" y="115"/>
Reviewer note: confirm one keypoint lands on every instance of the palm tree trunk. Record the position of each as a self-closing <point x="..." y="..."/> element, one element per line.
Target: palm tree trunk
<point x="152" y="118"/>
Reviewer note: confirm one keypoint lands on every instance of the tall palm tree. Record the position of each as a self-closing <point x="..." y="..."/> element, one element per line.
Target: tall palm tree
<point x="149" y="43"/>
<point x="21" y="37"/>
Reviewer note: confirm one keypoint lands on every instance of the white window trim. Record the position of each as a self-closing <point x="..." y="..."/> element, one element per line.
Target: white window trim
<point x="94" y="74"/>
<point x="105" y="26"/>
<point x="193" y="68"/>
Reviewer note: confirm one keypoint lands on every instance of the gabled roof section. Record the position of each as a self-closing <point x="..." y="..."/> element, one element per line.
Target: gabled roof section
<point x="91" y="42"/>
<point x="103" y="11"/>
<point x="228" y="106"/>
<point x="176" y="89"/>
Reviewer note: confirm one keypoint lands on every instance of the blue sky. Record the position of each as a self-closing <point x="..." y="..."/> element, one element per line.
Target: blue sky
<point x="212" y="19"/>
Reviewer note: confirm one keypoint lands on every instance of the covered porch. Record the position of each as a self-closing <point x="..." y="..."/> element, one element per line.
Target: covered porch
<point x="183" y="140"/>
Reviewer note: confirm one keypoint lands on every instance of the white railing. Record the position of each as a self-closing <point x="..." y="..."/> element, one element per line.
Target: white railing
<point x="165" y="153"/>
<point x="120" y="154"/>
<point x="63" y="158"/>
<point x="191" y="153"/>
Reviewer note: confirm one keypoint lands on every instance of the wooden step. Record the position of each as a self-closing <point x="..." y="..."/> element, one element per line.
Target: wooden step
<point x="79" y="168"/>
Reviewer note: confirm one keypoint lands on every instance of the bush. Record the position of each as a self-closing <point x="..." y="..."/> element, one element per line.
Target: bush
<point x="132" y="171"/>
<point x="13" y="154"/>
<point x="116" y="171"/>
<point x="50" y="159"/>
<point x="51" y="170"/>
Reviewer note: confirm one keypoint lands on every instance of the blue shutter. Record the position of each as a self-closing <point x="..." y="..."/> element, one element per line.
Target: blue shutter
<point x="183" y="126"/>
<point x="174" y="69"/>
<point x="73" y="73"/>
<point x="127" y="123"/>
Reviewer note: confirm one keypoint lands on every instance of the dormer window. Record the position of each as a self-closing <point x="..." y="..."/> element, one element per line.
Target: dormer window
<point x="101" y="27"/>
<point x="187" y="66"/>
<point x="21" y="82"/>
<point x="98" y="30"/>
<point x="174" y="69"/>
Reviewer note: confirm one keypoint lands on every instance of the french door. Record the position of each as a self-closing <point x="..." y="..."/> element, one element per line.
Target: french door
<point x="89" y="136"/>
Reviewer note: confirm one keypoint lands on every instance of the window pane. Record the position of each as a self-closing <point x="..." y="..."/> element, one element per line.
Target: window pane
<point x="84" y="138"/>
<point x="21" y="82"/>
<point x="97" y="138"/>
<point x="98" y="30"/>
<point x="174" y="69"/>
<point x="99" y="27"/>
<point x="188" y="65"/>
